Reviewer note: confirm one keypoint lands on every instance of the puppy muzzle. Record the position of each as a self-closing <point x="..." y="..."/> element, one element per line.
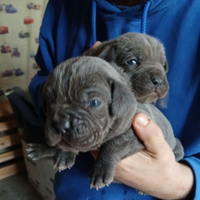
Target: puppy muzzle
<point x="74" y="131"/>
<point x="150" y="83"/>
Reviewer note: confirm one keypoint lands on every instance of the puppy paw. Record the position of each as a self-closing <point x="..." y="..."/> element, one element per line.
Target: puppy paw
<point x="141" y="193"/>
<point x="64" y="160"/>
<point x="35" y="151"/>
<point x="102" y="174"/>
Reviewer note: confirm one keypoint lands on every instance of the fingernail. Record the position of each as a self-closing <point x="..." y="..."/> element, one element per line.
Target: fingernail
<point x="142" y="121"/>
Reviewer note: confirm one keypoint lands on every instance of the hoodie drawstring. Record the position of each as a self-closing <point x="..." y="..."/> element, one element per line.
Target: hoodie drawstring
<point x="143" y="19"/>
<point x="94" y="37"/>
<point x="144" y="16"/>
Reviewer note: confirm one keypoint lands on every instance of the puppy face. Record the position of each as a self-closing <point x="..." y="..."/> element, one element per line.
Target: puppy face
<point x="143" y="58"/>
<point x="82" y="101"/>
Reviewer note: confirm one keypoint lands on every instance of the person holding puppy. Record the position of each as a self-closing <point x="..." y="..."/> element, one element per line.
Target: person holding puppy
<point x="70" y="28"/>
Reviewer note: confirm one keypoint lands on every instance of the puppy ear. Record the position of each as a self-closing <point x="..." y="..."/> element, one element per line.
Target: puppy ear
<point x="108" y="54"/>
<point x="166" y="66"/>
<point x="123" y="99"/>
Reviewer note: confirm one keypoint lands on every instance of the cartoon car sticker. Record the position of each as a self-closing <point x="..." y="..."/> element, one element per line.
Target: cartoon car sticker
<point x="37" y="7"/>
<point x="28" y="20"/>
<point x="15" y="52"/>
<point x="5" y="49"/>
<point x="3" y="29"/>
<point x="19" y="72"/>
<point x="24" y="34"/>
<point x="30" y="6"/>
<point x="37" y="40"/>
<point x="35" y="66"/>
<point x="7" y="73"/>
<point x="10" y="9"/>
<point x="1" y="7"/>
<point x="32" y="54"/>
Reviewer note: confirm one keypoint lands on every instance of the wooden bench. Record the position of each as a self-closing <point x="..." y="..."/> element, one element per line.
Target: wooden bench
<point x="11" y="153"/>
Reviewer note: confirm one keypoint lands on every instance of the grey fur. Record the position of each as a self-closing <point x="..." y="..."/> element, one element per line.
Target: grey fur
<point x="73" y="125"/>
<point x="148" y="74"/>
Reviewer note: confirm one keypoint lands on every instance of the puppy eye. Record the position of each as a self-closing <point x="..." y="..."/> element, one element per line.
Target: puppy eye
<point x="94" y="103"/>
<point x="132" y="62"/>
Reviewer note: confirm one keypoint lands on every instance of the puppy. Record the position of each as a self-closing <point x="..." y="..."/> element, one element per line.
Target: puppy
<point x="89" y="104"/>
<point x="142" y="58"/>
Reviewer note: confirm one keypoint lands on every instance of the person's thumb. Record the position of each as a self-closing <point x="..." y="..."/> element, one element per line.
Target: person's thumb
<point x="149" y="133"/>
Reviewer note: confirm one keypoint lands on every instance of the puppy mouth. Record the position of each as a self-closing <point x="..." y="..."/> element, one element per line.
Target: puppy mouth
<point x="152" y="96"/>
<point x="161" y="92"/>
<point x="79" y="138"/>
<point x="79" y="141"/>
<point x="83" y="144"/>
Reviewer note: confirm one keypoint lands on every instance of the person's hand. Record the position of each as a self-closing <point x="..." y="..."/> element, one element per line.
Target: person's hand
<point x="92" y="47"/>
<point x="154" y="170"/>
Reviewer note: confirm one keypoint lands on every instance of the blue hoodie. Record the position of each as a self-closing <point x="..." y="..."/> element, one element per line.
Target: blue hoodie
<point x="71" y="27"/>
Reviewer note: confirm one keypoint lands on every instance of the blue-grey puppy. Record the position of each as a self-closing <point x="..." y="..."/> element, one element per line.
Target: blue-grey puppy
<point x="142" y="58"/>
<point x="89" y="104"/>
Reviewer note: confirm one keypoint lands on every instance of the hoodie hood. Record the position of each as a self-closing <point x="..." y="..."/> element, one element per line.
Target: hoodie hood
<point x="109" y="8"/>
<point x="111" y="12"/>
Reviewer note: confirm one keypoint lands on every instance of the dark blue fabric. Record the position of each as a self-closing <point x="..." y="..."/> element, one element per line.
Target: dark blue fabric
<point x="23" y="106"/>
<point x="66" y="32"/>
<point x="26" y="116"/>
<point x="79" y="187"/>
<point x="94" y="33"/>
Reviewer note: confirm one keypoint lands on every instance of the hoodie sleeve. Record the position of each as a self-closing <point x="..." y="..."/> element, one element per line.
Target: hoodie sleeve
<point x="194" y="163"/>
<point x="44" y="58"/>
<point x="35" y="89"/>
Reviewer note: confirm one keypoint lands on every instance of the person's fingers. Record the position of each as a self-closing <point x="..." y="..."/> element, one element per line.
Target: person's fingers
<point x="92" y="47"/>
<point x="149" y="133"/>
<point x="97" y="43"/>
<point x="95" y="153"/>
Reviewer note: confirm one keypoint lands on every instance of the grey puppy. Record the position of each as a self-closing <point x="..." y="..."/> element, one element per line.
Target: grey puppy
<point x="89" y="104"/>
<point x="142" y="58"/>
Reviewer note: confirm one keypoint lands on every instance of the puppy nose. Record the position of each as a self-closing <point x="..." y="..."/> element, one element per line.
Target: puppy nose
<point x="157" y="81"/>
<point x="61" y="123"/>
<point x="66" y="121"/>
<point x="66" y="125"/>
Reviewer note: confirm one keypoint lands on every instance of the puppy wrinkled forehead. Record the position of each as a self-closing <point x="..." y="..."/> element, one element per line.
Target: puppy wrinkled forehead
<point x="88" y="65"/>
<point x="82" y="72"/>
<point x="141" y="44"/>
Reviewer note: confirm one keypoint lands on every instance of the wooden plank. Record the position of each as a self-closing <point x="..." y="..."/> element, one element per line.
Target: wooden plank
<point x="11" y="169"/>
<point x="5" y="108"/>
<point x="8" y="125"/>
<point x="10" y="140"/>
<point x="11" y="155"/>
